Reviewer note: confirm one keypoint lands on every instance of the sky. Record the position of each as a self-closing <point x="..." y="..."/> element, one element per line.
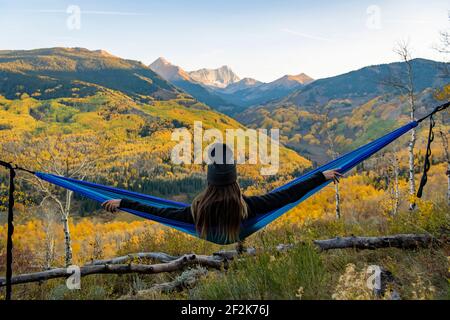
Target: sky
<point x="258" y="39"/>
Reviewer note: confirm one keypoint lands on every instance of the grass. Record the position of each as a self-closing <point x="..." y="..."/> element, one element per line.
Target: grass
<point x="305" y="273"/>
<point x="290" y="275"/>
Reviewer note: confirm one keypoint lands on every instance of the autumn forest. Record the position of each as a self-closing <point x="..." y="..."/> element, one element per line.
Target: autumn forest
<point x="92" y="116"/>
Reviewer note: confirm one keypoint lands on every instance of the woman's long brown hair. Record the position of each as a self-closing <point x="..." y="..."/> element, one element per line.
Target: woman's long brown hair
<point x="218" y="212"/>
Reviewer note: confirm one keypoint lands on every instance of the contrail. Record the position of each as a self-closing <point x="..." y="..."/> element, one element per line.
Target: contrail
<point x="110" y="13"/>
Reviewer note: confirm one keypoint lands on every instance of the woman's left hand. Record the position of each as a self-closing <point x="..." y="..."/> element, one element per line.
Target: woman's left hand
<point x="332" y="175"/>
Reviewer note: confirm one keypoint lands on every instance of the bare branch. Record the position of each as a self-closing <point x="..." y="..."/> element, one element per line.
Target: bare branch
<point x="186" y="280"/>
<point x="159" y="256"/>
<point x="171" y="266"/>
<point x="403" y="241"/>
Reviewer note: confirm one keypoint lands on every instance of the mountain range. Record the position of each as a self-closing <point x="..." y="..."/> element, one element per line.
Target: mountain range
<point x="363" y="103"/>
<point x="217" y="78"/>
<point x="249" y="92"/>
<point x="355" y="107"/>
<point x="183" y="80"/>
<point x="222" y="89"/>
<point x="65" y="72"/>
<point x="81" y="94"/>
<point x="349" y="109"/>
<point x="369" y="82"/>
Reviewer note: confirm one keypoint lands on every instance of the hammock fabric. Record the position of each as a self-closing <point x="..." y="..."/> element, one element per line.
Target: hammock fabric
<point x="102" y="193"/>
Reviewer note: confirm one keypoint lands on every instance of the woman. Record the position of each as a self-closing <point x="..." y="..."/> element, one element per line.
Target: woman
<point x="220" y="209"/>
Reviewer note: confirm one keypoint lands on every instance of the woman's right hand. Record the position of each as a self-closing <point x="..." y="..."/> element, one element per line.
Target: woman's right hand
<point x="111" y="205"/>
<point x="332" y="175"/>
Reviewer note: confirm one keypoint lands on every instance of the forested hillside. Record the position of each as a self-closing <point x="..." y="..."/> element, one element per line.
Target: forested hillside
<point x="345" y="111"/>
<point x="77" y="72"/>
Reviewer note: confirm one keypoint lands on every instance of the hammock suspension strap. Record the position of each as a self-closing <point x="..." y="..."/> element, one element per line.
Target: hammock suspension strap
<point x="9" y="241"/>
<point x="427" y="161"/>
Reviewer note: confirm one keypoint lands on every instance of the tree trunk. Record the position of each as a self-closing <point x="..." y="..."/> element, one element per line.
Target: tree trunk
<point x="395" y="187"/>
<point x="412" y="142"/>
<point x="338" y="201"/>
<point x="396" y="193"/>
<point x="412" y="184"/>
<point x="65" y="221"/>
<point x="49" y="252"/>
<point x="331" y="137"/>
<point x="448" y="183"/>
<point x="67" y="240"/>
<point x="49" y="255"/>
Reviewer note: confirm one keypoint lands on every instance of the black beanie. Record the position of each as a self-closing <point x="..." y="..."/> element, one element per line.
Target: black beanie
<point x="222" y="171"/>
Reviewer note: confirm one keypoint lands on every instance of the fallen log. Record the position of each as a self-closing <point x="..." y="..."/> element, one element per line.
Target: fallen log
<point x="164" y="257"/>
<point x="402" y="241"/>
<point x="231" y="254"/>
<point x="187" y="279"/>
<point x="158" y="256"/>
<point x="178" y="264"/>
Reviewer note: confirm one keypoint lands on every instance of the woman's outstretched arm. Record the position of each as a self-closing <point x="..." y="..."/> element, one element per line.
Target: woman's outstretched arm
<point x="275" y="200"/>
<point x="182" y="214"/>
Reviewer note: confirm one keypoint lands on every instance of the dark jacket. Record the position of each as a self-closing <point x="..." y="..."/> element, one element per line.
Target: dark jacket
<point x="256" y="204"/>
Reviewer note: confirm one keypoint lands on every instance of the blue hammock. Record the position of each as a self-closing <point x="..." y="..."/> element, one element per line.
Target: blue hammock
<point x="102" y="193"/>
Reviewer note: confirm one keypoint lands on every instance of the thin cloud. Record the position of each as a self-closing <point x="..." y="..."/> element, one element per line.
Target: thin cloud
<point x="109" y="13"/>
<point x="306" y="35"/>
<point x="213" y="52"/>
<point x="411" y="21"/>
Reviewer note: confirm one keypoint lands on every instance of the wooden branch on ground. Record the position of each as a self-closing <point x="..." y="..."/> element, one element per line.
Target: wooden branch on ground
<point x="187" y="279"/>
<point x="158" y="256"/>
<point x="174" y="265"/>
<point x="219" y="259"/>
<point x="164" y="257"/>
<point x="402" y="241"/>
<point x="231" y="254"/>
